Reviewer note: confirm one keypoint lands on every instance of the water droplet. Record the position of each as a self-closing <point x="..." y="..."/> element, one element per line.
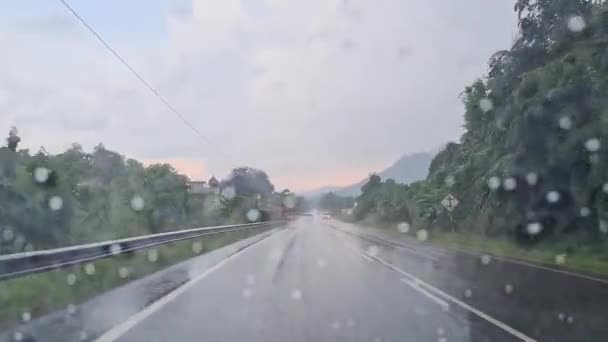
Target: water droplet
<point x="350" y="323"/>
<point x="508" y="289"/>
<point x="403" y="227"/>
<point x="250" y="279"/>
<point x="570" y="320"/>
<point x="115" y="249"/>
<point x="442" y="339"/>
<point x="605" y="188"/>
<point x="137" y="203"/>
<point x="592" y="145"/>
<point x="486" y="104"/>
<point x="336" y="325"/>
<point x="17" y="336"/>
<point x="486" y="259"/>
<point x="123" y="272"/>
<point x="7" y="234"/>
<point x="509" y="184"/>
<point x="440" y="331"/>
<point x="70" y="279"/>
<point x="197" y="247"/>
<point x="553" y="196"/>
<point x="253" y="215"/>
<point x="296" y="294"/>
<point x="584" y="212"/>
<point x="532" y="178"/>
<point x="152" y="255"/>
<point x="228" y="192"/>
<point x="560" y="259"/>
<point x="493" y="183"/>
<point x="289" y="201"/>
<point x="468" y="293"/>
<point x="26" y="316"/>
<point x="534" y="228"/>
<point x="576" y="24"/>
<point x="71" y="308"/>
<point x="246" y="293"/>
<point x="603" y="226"/>
<point x="89" y="268"/>
<point x="565" y="123"/>
<point x="372" y="250"/>
<point x="55" y="203"/>
<point x="561" y="316"/>
<point x="422" y="235"/>
<point x="41" y="174"/>
<point x="321" y="263"/>
<point x="450" y="181"/>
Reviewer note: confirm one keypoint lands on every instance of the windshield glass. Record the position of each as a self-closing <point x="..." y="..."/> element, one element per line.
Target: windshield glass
<point x="304" y="170"/>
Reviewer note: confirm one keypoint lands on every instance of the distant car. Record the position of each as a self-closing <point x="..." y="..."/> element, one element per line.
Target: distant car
<point x="325" y="216"/>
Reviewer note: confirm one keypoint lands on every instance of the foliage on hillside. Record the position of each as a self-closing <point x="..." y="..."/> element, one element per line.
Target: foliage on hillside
<point x="75" y="197"/>
<point x="533" y="160"/>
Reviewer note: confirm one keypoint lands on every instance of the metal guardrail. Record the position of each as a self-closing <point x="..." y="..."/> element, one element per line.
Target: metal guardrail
<point x="22" y="264"/>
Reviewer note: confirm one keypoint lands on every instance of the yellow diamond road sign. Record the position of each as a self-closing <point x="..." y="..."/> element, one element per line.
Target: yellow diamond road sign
<point x="449" y="202"/>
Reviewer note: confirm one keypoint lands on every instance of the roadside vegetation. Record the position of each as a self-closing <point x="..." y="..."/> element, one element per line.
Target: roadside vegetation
<point x="49" y="201"/>
<point x="531" y="169"/>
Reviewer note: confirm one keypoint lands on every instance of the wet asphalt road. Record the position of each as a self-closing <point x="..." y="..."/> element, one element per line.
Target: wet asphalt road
<point x="316" y="281"/>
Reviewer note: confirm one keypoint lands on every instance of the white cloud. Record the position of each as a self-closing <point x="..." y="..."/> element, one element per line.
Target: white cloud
<point x="302" y="89"/>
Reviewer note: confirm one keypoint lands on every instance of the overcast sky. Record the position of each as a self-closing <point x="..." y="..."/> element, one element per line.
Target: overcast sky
<point x="314" y="92"/>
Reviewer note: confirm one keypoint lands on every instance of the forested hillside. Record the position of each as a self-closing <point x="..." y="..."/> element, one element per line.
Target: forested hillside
<point x="74" y="197"/>
<point x="532" y="164"/>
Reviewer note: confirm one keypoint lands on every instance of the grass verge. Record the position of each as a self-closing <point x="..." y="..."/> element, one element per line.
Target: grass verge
<point x="39" y="294"/>
<point x="592" y="260"/>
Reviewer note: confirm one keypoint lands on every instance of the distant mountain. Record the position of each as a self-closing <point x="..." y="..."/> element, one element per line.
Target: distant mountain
<point x="408" y="169"/>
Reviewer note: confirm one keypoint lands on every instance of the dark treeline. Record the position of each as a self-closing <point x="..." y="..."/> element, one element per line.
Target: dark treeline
<point x="74" y="197"/>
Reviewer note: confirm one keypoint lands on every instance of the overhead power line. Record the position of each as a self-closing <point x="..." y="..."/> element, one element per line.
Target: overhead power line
<point x="135" y="73"/>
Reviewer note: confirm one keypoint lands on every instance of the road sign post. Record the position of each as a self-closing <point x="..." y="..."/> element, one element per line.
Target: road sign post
<point x="450" y="202"/>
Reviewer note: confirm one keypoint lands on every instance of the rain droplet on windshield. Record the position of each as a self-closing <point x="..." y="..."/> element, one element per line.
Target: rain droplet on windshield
<point x="576" y="24"/>
<point x="403" y="227"/>
<point x="565" y="123"/>
<point x="534" y="228"/>
<point x="372" y="250"/>
<point x="296" y="294"/>
<point x="152" y="255"/>
<point x="486" y="104"/>
<point x="493" y="183"/>
<point x="137" y="203"/>
<point x="228" y="192"/>
<point x="89" y="268"/>
<point x="532" y="178"/>
<point x="55" y="203"/>
<point x="197" y="247"/>
<point x="509" y="184"/>
<point x="553" y="196"/>
<point x="485" y="259"/>
<point x="41" y="174"/>
<point x="422" y="235"/>
<point x="592" y="145"/>
<point x="253" y="215"/>
<point x="71" y="279"/>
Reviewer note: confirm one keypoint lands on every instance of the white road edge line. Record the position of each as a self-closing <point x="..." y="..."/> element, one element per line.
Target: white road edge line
<point x="445" y="306"/>
<point x="117" y="331"/>
<point x="420" y="283"/>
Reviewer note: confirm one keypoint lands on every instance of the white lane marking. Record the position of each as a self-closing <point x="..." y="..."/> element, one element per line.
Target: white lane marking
<point x="121" y="329"/>
<point x="420" y="283"/>
<point x="514" y="261"/>
<point x="445" y="306"/>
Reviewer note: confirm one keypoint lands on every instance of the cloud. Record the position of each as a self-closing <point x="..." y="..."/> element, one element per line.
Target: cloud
<point x="310" y="91"/>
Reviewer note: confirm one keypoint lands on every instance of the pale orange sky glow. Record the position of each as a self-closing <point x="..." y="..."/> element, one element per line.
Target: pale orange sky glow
<point x="198" y="171"/>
